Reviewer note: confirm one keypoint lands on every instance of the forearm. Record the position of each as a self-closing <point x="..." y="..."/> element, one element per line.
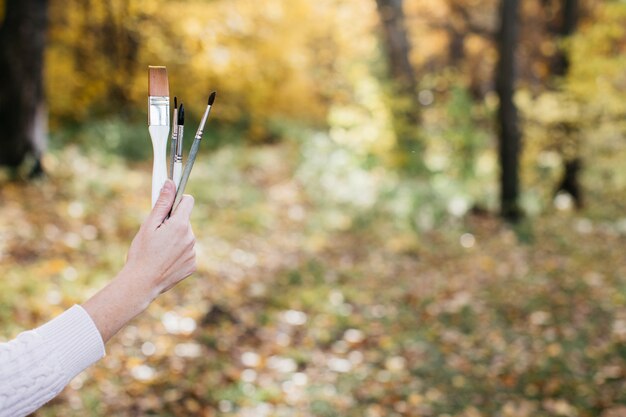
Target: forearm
<point x="127" y="295"/>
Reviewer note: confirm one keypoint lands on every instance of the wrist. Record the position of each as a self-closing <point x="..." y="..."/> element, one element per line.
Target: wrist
<point x="136" y="284"/>
<point x="120" y="301"/>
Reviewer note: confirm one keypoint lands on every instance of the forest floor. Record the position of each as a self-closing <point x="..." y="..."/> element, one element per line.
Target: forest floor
<point x="298" y="309"/>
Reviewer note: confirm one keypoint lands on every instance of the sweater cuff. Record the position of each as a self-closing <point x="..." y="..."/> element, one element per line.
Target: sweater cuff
<point x="76" y="339"/>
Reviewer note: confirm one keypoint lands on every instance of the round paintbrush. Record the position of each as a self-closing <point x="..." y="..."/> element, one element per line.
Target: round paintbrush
<point x="193" y="152"/>
<point x="174" y="138"/>
<point x="178" y="152"/>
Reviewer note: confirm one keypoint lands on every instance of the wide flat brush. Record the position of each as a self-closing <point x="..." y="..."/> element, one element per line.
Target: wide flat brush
<point x="158" y="125"/>
<point x="193" y="152"/>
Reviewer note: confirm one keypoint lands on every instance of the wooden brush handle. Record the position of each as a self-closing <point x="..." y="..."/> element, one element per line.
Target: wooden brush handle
<point x="178" y="171"/>
<point x="172" y="154"/>
<point x="159" y="135"/>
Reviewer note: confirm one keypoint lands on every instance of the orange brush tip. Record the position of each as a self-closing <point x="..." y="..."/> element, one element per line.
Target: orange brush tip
<point x="157" y="82"/>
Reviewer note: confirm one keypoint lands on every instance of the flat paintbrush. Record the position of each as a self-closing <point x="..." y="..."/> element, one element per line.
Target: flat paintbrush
<point x="158" y="125"/>
<point x="174" y="138"/>
<point x="193" y="152"/>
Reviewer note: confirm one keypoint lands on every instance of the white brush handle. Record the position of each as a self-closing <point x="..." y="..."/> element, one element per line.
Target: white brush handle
<point x="159" y="135"/>
<point x="178" y="172"/>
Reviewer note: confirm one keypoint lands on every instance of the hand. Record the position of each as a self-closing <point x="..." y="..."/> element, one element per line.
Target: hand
<point x="162" y="253"/>
<point x="160" y="256"/>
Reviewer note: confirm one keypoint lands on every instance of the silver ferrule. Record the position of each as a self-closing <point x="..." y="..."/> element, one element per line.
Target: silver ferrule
<point x="202" y="123"/>
<point x="174" y="125"/>
<point x="174" y="135"/>
<point x="173" y="145"/>
<point x="179" y="143"/>
<point x="158" y="111"/>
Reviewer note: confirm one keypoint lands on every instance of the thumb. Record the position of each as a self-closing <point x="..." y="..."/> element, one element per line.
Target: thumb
<point x="163" y="204"/>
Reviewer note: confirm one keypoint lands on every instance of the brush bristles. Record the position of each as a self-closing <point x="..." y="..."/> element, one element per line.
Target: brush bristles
<point x="157" y="82"/>
<point x="211" y="98"/>
<point x="181" y="115"/>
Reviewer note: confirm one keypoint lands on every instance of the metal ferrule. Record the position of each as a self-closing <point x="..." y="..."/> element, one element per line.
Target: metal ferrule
<point x="173" y="145"/>
<point x="178" y="155"/>
<point x="174" y="131"/>
<point x="158" y="111"/>
<point x="202" y="123"/>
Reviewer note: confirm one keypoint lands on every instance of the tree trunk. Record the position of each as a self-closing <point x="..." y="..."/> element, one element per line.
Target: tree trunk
<point x="509" y="135"/>
<point x="569" y="20"/>
<point x="572" y="164"/>
<point x="405" y="103"/>
<point x="397" y="43"/>
<point x="22" y="109"/>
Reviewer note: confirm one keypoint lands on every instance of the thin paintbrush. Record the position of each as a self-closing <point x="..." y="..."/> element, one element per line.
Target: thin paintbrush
<point x="178" y="152"/>
<point x="193" y="152"/>
<point x="174" y="138"/>
<point x="158" y="125"/>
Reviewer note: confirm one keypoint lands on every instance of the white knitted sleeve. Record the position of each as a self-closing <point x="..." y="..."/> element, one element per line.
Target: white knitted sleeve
<point x="37" y="364"/>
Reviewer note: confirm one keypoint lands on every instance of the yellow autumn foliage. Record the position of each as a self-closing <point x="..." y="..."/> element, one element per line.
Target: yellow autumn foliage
<point x="269" y="60"/>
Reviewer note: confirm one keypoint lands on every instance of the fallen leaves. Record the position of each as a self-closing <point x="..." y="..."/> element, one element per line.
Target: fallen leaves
<point x="287" y="316"/>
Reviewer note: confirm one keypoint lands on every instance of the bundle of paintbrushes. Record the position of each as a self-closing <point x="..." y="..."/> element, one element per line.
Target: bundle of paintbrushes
<point x="159" y="128"/>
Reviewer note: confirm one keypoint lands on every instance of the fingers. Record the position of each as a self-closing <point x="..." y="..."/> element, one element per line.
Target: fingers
<point x="183" y="210"/>
<point x="163" y="204"/>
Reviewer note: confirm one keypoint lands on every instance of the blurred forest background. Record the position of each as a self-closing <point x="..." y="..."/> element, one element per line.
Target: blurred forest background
<point x="403" y="207"/>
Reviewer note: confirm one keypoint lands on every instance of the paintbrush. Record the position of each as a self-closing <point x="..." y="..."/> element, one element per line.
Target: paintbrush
<point x="174" y="138"/>
<point x="193" y="152"/>
<point x="158" y="125"/>
<point x="178" y="152"/>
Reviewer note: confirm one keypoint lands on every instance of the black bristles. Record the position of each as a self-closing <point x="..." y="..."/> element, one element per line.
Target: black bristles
<point x="175" y="102"/>
<point x="211" y="98"/>
<point x="181" y="115"/>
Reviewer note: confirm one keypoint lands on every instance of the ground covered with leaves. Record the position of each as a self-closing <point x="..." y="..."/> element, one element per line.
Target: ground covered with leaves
<point x="312" y="304"/>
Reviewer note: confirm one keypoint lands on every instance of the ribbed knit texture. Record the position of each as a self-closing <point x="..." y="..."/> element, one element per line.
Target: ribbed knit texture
<point x="38" y="364"/>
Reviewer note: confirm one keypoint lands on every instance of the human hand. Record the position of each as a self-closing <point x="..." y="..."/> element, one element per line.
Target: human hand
<point x="162" y="253"/>
<point x="160" y="256"/>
